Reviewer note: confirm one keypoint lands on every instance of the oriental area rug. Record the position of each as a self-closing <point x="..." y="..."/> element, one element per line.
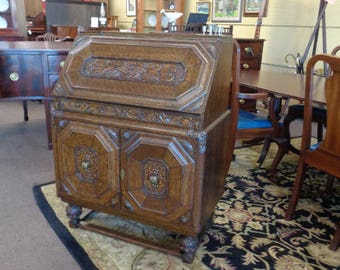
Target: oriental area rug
<point x="248" y="230"/>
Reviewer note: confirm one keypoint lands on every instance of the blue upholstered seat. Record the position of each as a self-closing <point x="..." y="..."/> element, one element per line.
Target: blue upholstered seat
<point x="252" y="120"/>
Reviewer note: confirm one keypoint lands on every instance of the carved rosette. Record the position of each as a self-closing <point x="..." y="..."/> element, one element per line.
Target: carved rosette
<point x="155" y="173"/>
<point x="123" y="112"/>
<point x="86" y="163"/>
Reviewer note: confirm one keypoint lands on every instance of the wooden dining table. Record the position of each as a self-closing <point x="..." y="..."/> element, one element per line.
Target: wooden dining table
<point x="282" y="86"/>
<point x="281" y="83"/>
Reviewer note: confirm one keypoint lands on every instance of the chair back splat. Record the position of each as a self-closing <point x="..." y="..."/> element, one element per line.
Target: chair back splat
<point x="325" y="155"/>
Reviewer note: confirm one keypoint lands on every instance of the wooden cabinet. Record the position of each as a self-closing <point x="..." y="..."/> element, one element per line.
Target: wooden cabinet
<point x="251" y="58"/>
<point x="10" y="20"/>
<point x="149" y="18"/>
<point x="29" y="70"/>
<point x="141" y="132"/>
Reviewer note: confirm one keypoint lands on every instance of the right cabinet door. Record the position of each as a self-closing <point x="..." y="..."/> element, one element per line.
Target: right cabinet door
<point x="157" y="177"/>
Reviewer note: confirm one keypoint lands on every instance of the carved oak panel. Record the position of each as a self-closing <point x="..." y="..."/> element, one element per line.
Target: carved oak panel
<point x="88" y="163"/>
<point x="158" y="177"/>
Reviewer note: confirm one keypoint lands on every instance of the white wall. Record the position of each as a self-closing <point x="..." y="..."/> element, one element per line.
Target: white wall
<point x="286" y="28"/>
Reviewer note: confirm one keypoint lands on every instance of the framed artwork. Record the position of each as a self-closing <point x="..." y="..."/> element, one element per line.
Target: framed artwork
<point x="252" y="8"/>
<point x="130" y="7"/>
<point x="203" y="7"/>
<point x="226" y="10"/>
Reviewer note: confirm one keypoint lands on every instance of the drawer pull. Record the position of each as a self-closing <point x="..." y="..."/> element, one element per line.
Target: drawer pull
<point x="14" y="76"/>
<point x="241" y="101"/>
<point x="61" y="64"/>
<point x="245" y="66"/>
<point x="249" y="51"/>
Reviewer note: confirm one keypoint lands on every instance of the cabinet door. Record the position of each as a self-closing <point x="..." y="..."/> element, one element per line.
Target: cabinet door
<point x="87" y="164"/>
<point x="21" y="75"/>
<point x="157" y="178"/>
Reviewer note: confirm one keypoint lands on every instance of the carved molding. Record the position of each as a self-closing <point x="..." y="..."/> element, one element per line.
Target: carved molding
<point x="201" y="137"/>
<point x="123" y="112"/>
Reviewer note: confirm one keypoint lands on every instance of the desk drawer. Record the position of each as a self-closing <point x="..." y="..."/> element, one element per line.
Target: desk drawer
<point x="55" y="63"/>
<point x="251" y="63"/>
<point x="21" y="75"/>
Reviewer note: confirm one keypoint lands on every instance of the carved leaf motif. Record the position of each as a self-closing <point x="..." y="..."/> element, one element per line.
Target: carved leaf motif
<point x="170" y="73"/>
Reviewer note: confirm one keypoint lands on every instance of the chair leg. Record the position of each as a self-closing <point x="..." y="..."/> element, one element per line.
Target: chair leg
<point x="286" y="124"/>
<point x="264" y="152"/>
<point x="335" y="240"/>
<point x="24" y="105"/>
<point x="329" y="187"/>
<point x="320" y="131"/>
<point x="282" y="150"/>
<point x="300" y="176"/>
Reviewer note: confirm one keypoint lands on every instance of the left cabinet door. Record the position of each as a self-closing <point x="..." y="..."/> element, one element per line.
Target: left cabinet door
<point x="87" y="164"/>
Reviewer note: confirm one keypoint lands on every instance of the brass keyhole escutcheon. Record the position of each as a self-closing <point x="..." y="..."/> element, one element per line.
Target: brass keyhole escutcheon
<point x="14" y="76"/>
<point x="154" y="180"/>
<point x="85" y="165"/>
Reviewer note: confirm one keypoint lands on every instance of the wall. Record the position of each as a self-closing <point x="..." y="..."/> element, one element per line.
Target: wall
<point x="286" y="28"/>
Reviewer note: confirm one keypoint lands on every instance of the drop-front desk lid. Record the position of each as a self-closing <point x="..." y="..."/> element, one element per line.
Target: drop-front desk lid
<point x="165" y="71"/>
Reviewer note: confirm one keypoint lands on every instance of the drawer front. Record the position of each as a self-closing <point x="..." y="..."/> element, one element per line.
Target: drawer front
<point x="21" y="75"/>
<point x="55" y="63"/>
<point x="251" y="49"/>
<point x="251" y="63"/>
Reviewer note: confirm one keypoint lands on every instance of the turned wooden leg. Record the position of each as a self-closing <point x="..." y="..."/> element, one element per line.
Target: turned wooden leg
<point x="300" y="177"/>
<point x="264" y="152"/>
<point x="24" y="106"/>
<point x="282" y="150"/>
<point x="73" y="212"/>
<point x="189" y="247"/>
<point x="327" y="193"/>
<point x="335" y="240"/>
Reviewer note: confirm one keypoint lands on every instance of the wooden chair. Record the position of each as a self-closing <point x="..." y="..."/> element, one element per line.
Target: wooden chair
<point x="325" y="155"/>
<point x="295" y="112"/>
<point x="48" y="36"/>
<point x="249" y="125"/>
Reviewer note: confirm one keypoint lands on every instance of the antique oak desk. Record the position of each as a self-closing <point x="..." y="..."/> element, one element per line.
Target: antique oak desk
<point x="141" y="131"/>
<point x="282" y="85"/>
<point x="29" y="69"/>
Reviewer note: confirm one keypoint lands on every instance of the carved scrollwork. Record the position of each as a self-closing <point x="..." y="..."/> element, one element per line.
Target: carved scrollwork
<point x="201" y="137"/>
<point x="123" y="112"/>
<point x="140" y="70"/>
<point x="86" y="159"/>
<point x="155" y="182"/>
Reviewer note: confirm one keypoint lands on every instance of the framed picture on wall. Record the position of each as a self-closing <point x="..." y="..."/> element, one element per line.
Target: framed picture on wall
<point x="252" y="8"/>
<point x="226" y="10"/>
<point x="130" y="7"/>
<point x="203" y="7"/>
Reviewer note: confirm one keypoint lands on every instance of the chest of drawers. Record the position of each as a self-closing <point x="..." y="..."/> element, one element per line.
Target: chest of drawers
<point x="251" y="58"/>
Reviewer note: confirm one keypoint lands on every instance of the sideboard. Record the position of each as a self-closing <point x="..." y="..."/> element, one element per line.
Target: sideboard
<point x="141" y="131"/>
<point x="29" y="69"/>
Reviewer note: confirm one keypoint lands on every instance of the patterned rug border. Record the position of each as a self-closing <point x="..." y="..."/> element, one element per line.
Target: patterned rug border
<point x="71" y="244"/>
